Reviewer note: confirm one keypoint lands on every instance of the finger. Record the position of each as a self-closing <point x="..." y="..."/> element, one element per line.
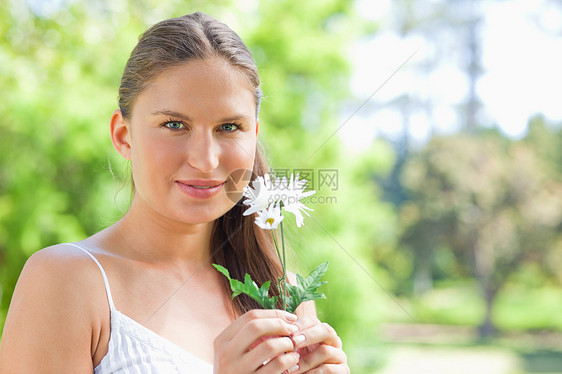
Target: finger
<point x="322" y="333"/>
<point x="268" y="349"/>
<point x="330" y="368"/>
<point x="323" y="354"/>
<point x="241" y="321"/>
<point x="306" y="350"/>
<point x="259" y="328"/>
<point x="280" y="364"/>
<point x="306" y="322"/>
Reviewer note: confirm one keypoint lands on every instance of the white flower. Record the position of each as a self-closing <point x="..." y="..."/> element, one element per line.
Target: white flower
<point x="295" y="194"/>
<point x="283" y="192"/>
<point x="297" y="209"/>
<point x="259" y="195"/>
<point x="269" y="218"/>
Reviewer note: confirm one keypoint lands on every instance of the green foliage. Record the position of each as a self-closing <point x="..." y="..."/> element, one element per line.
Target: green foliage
<point x="516" y="308"/>
<point x="250" y="288"/>
<point x="305" y="289"/>
<point x="456" y="304"/>
<point x="519" y="308"/>
<point x="53" y="149"/>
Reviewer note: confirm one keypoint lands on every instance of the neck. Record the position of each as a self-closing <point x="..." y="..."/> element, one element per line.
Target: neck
<point x="148" y="236"/>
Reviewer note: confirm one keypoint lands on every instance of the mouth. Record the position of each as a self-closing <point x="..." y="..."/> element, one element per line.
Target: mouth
<point x="201" y="183"/>
<point x="200" y="188"/>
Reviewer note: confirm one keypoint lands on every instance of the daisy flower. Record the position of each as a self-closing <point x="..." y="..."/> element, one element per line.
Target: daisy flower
<point x="269" y="219"/>
<point x="286" y="193"/>
<point x="294" y="194"/>
<point x="259" y="195"/>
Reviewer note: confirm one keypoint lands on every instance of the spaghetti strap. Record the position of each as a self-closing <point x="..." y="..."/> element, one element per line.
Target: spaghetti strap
<point x="105" y="281"/>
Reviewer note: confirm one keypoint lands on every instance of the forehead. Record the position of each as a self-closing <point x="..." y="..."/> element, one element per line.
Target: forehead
<point x="202" y="88"/>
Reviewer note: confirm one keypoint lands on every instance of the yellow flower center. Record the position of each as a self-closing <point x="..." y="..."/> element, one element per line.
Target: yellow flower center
<point x="270" y="221"/>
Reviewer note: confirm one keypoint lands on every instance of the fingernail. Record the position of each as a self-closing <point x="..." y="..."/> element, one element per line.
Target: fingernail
<point x="293" y="328"/>
<point x="294" y="368"/>
<point x="298" y="339"/>
<point x="291" y="317"/>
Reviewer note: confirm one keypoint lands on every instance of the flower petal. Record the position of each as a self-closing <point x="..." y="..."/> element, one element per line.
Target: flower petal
<point x="297" y="209"/>
<point x="266" y="193"/>
<point x="270" y="218"/>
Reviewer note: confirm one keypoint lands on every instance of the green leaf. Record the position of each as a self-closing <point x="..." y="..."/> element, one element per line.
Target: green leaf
<point x="250" y="288"/>
<point x="305" y="289"/>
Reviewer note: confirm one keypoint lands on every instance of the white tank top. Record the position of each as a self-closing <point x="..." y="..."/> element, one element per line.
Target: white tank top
<point x="136" y="349"/>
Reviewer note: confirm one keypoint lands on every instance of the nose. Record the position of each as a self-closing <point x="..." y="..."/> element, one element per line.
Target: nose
<point x="203" y="151"/>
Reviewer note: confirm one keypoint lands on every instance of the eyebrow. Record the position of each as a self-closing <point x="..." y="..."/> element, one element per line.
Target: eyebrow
<point x="185" y="117"/>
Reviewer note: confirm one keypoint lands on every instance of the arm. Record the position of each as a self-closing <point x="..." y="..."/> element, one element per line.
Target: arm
<point x="49" y="324"/>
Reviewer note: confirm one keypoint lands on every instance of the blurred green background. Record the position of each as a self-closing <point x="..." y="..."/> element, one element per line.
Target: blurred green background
<point x="444" y="256"/>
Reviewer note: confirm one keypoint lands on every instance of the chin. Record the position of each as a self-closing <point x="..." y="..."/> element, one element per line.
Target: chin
<point x="199" y="215"/>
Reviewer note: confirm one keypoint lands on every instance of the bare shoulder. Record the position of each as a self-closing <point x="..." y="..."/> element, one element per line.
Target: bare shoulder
<point x="60" y="255"/>
<point x="63" y="270"/>
<point x="308" y="308"/>
<point x="52" y="318"/>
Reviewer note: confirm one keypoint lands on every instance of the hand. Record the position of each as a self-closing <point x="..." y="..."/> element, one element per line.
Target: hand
<point x="257" y="342"/>
<point x="319" y="347"/>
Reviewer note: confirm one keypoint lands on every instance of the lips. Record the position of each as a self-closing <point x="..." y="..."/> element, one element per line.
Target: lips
<point x="201" y="183"/>
<point x="199" y="188"/>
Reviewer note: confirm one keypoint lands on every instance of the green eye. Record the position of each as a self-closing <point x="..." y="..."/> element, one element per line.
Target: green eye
<point x="229" y="127"/>
<point x="174" y="125"/>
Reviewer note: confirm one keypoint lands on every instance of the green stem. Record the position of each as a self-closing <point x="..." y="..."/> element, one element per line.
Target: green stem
<point x="282" y="289"/>
<point x="284" y="267"/>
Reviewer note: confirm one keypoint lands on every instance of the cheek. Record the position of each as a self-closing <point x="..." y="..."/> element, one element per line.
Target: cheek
<point x="239" y="154"/>
<point x="150" y="157"/>
<point x="238" y="163"/>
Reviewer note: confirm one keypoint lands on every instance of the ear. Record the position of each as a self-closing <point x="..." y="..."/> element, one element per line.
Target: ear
<point x="257" y="126"/>
<point x="121" y="134"/>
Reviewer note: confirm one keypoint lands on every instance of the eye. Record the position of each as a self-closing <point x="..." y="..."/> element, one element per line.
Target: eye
<point x="173" y="125"/>
<point x="229" y="127"/>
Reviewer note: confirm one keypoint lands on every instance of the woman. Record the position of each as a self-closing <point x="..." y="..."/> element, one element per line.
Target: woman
<point x="141" y="296"/>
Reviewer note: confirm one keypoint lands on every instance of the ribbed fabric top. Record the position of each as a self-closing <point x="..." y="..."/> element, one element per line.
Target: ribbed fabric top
<point x="135" y="349"/>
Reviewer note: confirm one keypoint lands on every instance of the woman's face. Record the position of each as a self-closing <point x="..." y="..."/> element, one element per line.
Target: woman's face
<point x="189" y="130"/>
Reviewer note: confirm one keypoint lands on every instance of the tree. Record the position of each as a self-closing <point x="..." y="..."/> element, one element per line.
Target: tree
<point x="493" y="202"/>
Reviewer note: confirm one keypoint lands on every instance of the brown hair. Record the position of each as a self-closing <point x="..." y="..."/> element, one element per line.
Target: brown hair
<point x="237" y="243"/>
<point x="175" y="41"/>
